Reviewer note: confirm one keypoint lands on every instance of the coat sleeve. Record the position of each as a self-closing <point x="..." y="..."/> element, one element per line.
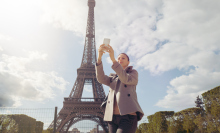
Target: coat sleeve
<point x="126" y="78"/>
<point x="100" y="75"/>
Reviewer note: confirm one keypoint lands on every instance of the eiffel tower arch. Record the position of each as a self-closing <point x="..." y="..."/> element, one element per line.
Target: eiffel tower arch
<point x="75" y="108"/>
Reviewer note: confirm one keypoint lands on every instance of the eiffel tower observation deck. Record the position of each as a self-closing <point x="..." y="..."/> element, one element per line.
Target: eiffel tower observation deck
<point x="75" y="108"/>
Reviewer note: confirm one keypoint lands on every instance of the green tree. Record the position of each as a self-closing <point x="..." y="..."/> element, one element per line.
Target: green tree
<point x="189" y="120"/>
<point x="150" y="126"/>
<point x="143" y="127"/>
<point x="187" y="117"/>
<point x="211" y="99"/>
<point x="19" y="123"/>
<point x="7" y="124"/>
<point x="39" y="127"/>
<point x="174" y="125"/>
<point x="212" y="106"/>
<point x="138" y="130"/>
<point x="158" y="122"/>
<point x="200" y="122"/>
<point x="25" y="123"/>
<point x="199" y="103"/>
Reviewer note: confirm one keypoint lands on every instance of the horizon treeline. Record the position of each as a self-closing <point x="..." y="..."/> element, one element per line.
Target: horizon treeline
<point x="205" y="118"/>
<point x="19" y="123"/>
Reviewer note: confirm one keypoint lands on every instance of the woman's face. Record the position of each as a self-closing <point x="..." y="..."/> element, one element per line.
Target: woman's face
<point x="123" y="60"/>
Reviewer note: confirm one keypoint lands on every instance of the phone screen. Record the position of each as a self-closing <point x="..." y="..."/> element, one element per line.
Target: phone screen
<point x="106" y="41"/>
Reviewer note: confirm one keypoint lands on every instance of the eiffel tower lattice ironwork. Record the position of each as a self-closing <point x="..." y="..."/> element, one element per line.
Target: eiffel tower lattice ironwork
<point x="75" y="108"/>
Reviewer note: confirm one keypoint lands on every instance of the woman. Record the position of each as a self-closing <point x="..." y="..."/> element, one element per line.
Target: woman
<point x="122" y="109"/>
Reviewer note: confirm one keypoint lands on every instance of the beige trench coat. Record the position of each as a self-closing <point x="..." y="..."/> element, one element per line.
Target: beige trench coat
<point x="123" y="85"/>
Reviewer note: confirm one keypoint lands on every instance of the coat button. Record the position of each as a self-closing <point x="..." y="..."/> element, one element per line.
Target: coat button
<point x="125" y="85"/>
<point x="129" y="95"/>
<point x="108" y="101"/>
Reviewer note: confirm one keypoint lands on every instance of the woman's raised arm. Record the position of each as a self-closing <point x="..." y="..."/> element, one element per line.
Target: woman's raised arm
<point x="100" y="75"/>
<point x="100" y="53"/>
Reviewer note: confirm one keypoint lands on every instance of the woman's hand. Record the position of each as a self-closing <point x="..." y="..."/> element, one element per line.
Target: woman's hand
<point x="110" y="50"/>
<point x="101" y="52"/>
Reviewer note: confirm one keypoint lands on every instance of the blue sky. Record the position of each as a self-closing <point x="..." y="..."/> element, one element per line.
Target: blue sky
<point x="174" y="45"/>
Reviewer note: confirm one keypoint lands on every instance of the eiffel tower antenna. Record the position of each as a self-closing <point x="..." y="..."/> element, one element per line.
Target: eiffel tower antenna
<point x="75" y="108"/>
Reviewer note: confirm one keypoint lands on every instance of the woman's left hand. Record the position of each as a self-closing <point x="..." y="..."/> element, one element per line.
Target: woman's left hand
<point x="110" y="50"/>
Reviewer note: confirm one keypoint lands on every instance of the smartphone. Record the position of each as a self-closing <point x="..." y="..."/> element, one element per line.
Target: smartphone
<point x="106" y="41"/>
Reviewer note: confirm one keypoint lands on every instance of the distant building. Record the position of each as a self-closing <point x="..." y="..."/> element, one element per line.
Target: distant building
<point x="75" y="130"/>
<point x="94" y="130"/>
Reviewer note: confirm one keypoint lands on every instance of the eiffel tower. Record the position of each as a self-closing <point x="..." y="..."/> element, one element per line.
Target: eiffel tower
<point x="75" y="108"/>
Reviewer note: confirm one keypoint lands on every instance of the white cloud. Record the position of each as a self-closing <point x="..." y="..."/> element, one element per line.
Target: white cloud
<point x="18" y="81"/>
<point x="190" y="28"/>
<point x="18" y="16"/>
<point x="129" y="25"/>
<point x="69" y="14"/>
<point x="192" y="22"/>
<point x="183" y="90"/>
<point x="108" y="59"/>
<point x="19" y="63"/>
<point x="88" y="89"/>
<point x="168" y="57"/>
<point x="3" y="37"/>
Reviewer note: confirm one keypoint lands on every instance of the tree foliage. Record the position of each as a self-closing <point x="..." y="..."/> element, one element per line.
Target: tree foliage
<point x="7" y="124"/>
<point x="200" y="122"/>
<point x="183" y="121"/>
<point x="25" y="123"/>
<point x="50" y="130"/>
<point x="212" y="99"/>
<point x="212" y="106"/>
<point x="39" y="127"/>
<point x="138" y="130"/>
<point x="174" y="125"/>
<point x="158" y="121"/>
<point x="19" y="123"/>
<point x="199" y="103"/>
<point x="197" y="120"/>
<point x="143" y="127"/>
<point x="150" y="125"/>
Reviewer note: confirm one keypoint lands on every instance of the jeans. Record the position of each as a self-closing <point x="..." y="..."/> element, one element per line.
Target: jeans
<point x="123" y="124"/>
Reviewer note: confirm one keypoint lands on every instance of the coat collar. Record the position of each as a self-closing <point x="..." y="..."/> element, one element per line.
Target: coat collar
<point x="128" y="69"/>
<point x="114" y="75"/>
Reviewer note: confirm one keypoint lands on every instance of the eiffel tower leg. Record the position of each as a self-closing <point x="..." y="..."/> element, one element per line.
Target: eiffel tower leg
<point x="104" y="125"/>
<point x="74" y="87"/>
<point x="65" y="124"/>
<point x="66" y="127"/>
<point x="69" y="125"/>
<point x="76" y="91"/>
<point x="99" y="89"/>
